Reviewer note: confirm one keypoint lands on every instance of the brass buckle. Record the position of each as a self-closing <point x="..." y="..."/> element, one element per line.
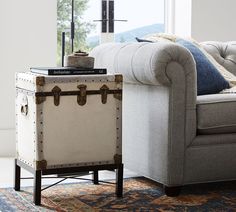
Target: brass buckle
<point x="82" y="97"/>
<point x="56" y="93"/>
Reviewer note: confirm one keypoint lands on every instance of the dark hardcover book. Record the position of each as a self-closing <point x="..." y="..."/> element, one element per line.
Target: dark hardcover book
<point x="67" y="71"/>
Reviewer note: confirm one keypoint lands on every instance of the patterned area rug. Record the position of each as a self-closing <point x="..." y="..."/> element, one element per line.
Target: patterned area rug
<point x="140" y="195"/>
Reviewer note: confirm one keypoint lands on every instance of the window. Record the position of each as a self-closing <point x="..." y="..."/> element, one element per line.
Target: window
<point x="144" y="17"/>
<point x="132" y="19"/>
<point x="83" y="27"/>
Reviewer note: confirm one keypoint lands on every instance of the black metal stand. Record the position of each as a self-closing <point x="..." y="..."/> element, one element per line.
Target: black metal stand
<point x="119" y="180"/>
<point x="39" y="173"/>
<point x="95" y="177"/>
<point x="37" y="187"/>
<point x="17" y="177"/>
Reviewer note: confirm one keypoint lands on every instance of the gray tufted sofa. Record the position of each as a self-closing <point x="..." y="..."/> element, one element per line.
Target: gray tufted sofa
<point x="170" y="134"/>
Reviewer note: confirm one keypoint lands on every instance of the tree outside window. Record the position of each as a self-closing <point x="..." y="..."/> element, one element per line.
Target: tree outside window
<point x="143" y="18"/>
<point x="82" y="28"/>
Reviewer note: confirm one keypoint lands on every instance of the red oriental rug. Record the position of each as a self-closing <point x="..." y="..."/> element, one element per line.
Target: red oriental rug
<point x="140" y="195"/>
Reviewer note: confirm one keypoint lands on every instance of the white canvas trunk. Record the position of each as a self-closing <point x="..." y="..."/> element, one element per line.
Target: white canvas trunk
<point x="59" y="125"/>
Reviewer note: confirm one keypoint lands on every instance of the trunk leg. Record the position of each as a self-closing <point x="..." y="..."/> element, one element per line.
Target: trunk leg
<point x="119" y="180"/>
<point x="17" y="177"/>
<point x="37" y="187"/>
<point x="95" y="177"/>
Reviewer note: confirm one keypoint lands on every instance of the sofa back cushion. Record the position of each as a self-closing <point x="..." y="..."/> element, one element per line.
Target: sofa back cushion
<point x="223" y="52"/>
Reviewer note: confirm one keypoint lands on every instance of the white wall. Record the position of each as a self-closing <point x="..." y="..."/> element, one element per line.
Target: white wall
<point x="183" y="14"/>
<point x="214" y="20"/>
<point x="27" y="38"/>
<point x="206" y="19"/>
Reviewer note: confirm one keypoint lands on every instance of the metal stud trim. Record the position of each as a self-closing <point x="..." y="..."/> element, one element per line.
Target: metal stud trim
<point x="39" y="133"/>
<point x="26" y="162"/>
<point x="81" y="164"/>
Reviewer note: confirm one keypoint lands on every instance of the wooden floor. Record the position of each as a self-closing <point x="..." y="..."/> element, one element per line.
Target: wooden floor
<point x="6" y="175"/>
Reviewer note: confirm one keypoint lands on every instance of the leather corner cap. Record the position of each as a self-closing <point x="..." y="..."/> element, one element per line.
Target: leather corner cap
<point x="40" y="165"/>
<point x="40" y="80"/>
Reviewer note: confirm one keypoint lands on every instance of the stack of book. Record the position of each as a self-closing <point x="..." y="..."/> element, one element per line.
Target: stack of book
<point x="67" y="71"/>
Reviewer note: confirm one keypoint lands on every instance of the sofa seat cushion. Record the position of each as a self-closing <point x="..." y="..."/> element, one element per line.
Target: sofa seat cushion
<point x="216" y="114"/>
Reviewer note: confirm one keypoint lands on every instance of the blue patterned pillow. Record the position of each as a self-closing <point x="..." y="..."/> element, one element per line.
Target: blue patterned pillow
<point x="209" y="79"/>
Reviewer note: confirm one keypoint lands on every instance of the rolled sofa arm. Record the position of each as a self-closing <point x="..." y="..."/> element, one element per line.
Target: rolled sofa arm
<point x="144" y="63"/>
<point x="172" y="70"/>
